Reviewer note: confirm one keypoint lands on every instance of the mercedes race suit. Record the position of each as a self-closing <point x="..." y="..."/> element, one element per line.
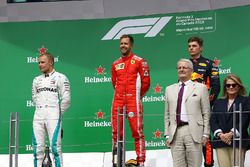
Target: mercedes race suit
<point x="51" y="96"/>
<point x="131" y="81"/>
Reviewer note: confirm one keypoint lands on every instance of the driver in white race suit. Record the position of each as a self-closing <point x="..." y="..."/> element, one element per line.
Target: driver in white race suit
<point x="51" y="96"/>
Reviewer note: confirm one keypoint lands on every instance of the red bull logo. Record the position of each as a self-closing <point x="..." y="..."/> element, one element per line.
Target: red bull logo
<point x="196" y="76"/>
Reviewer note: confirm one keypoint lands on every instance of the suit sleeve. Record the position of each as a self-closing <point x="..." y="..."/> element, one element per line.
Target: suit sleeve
<point x="166" y="115"/>
<point x="64" y="93"/>
<point x="145" y="76"/>
<point x="246" y="113"/>
<point x="113" y="76"/>
<point x="214" y="82"/>
<point x="214" y="120"/>
<point x="205" y="109"/>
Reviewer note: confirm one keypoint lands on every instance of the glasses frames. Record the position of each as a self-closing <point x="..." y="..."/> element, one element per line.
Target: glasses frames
<point x="231" y="85"/>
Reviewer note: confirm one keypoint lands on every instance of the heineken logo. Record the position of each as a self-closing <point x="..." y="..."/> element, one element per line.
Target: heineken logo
<point x="99" y="76"/>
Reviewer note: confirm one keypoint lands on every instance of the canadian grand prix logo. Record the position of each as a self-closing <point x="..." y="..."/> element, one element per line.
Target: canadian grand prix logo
<point x="149" y="26"/>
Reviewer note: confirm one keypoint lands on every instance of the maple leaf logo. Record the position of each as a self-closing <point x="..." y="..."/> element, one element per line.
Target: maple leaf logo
<point x="42" y="50"/>
<point x="100" y="114"/>
<point x="216" y="62"/>
<point x="157" y="134"/>
<point x="157" y="89"/>
<point x="100" y="70"/>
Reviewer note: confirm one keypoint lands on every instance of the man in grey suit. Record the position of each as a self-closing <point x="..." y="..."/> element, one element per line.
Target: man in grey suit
<point x="187" y="113"/>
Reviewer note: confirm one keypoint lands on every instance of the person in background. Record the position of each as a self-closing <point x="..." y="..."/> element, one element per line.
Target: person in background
<point x="131" y="81"/>
<point x="233" y="99"/>
<point x="187" y="113"/>
<point x="205" y="71"/>
<point x="51" y="96"/>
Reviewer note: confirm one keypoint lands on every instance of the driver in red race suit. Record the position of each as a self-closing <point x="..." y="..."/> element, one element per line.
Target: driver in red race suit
<point x="131" y="81"/>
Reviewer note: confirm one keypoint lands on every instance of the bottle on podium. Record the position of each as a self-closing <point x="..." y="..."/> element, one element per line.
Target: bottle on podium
<point x="47" y="160"/>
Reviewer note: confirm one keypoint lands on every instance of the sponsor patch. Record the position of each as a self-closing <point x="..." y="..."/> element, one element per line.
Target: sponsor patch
<point x="196" y="76"/>
<point x="215" y="73"/>
<point x="202" y="64"/>
<point x="131" y="114"/>
<point x="144" y="64"/>
<point x="119" y="66"/>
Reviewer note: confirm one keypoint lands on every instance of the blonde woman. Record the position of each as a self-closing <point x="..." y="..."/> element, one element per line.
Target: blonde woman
<point x="234" y="96"/>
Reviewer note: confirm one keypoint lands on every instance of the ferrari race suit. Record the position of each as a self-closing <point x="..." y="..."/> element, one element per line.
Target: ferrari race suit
<point x="131" y="81"/>
<point x="206" y="71"/>
<point x="51" y="97"/>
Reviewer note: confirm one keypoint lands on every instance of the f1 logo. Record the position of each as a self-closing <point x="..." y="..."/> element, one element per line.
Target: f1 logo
<point x="149" y="26"/>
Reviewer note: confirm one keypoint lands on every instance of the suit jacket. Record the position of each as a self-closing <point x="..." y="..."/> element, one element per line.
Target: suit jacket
<point x="222" y="118"/>
<point x="197" y="107"/>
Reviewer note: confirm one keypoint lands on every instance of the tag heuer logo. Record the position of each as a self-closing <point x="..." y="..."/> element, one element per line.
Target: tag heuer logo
<point x="149" y="26"/>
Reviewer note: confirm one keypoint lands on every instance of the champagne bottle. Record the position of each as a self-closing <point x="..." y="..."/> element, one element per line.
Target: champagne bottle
<point x="47" y="160"/>
<point x="115" y="155"/>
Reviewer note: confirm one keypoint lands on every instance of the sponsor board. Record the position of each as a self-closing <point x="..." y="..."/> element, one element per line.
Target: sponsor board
<point x="222" y="70"/>
<point x="157" y="96"/>
<point x="157" y="140"/>
<point x="100" y="121"/>
<point x="34" y="59"/>
<point x="100" y="76"/>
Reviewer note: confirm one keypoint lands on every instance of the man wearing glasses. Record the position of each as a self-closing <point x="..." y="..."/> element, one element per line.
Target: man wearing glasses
<point x="187" y="113"/>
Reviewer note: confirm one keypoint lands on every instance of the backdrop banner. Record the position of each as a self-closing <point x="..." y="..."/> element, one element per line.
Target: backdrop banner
<point x="85" y="49"/>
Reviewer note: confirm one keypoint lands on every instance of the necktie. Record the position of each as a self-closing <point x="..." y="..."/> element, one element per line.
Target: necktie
<point x="46" y="75"/>
<point x="178" y="112"/>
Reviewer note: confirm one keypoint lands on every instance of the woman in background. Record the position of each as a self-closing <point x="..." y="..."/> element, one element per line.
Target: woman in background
<point x="233" y="99"/>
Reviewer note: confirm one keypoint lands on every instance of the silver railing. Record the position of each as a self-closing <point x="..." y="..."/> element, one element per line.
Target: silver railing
<point x="13" y="138"/>
<point x="121" y="143"/>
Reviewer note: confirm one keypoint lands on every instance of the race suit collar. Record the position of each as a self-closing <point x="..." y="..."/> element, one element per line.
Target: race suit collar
<point x="200" y="57"/>
<point x="49" y="74"/>
<point x="128" y="57"/>
<point x="197" y="60"/>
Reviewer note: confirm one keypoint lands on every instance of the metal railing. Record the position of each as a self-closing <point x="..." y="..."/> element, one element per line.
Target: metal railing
<point x="14" y="139"/>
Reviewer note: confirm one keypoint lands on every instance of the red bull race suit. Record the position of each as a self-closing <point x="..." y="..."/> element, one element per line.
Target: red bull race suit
<point x="206" y="71"/>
